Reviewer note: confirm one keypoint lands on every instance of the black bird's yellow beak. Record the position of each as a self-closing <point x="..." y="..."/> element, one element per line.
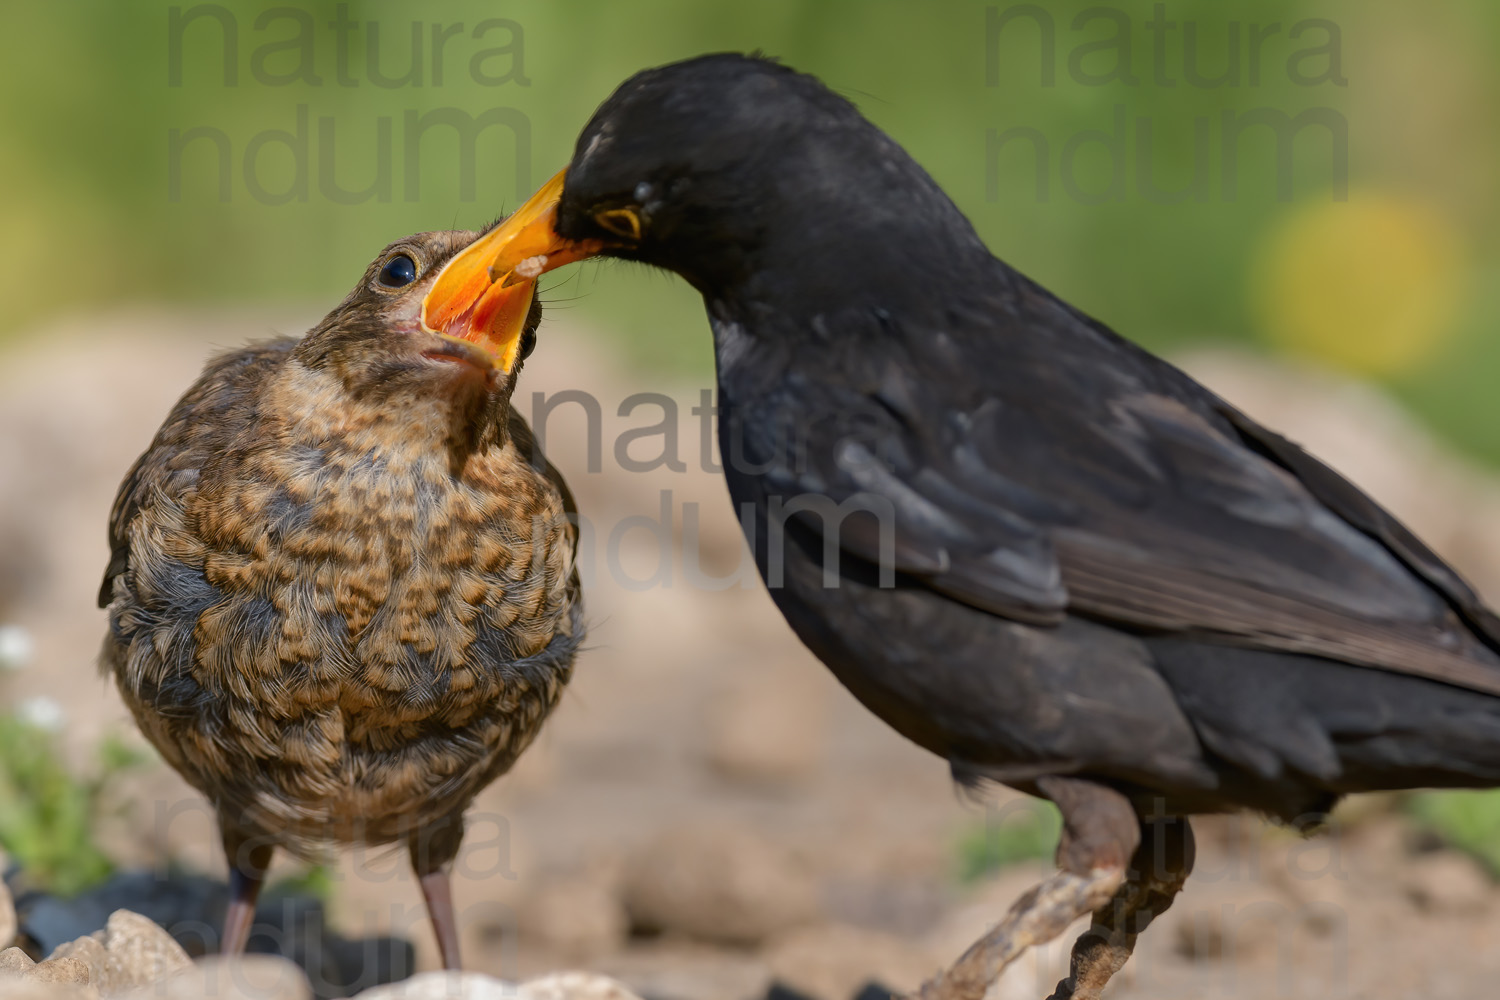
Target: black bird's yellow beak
<point x="488" y="287"/>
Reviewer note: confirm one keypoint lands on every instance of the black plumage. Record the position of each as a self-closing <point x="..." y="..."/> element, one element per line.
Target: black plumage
<point x="1059" y="562"/>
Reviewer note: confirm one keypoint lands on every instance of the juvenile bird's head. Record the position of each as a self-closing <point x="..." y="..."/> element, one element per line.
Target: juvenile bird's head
<point x="372" y="361"/>
<point x="754" y="182"/>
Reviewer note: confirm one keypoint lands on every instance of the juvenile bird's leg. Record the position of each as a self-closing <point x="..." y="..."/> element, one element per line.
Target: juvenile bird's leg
<point x="249" y="856"/>
<point x="1100" y="832"/>
<point x="1157" y="872"/>
<point x="433" y="849"/>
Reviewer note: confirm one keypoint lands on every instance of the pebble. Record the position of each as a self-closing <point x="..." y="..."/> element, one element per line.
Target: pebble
<point x="192" y="906"/>
<point x="476" y="986"/>
<point x="718" y="883"/>
<point x="836" y="961"/>
<point x="444" y="986"/>
<point x="576" y="917"/>
<point x="249" y="977"/>
<point x="59" y="970"/>
<point x="90" y="951"/>
<point x="574" y="986"/>
<point x="14" y="960"/>
<point x="139" y="952"/>
<point x="31" y="989"/>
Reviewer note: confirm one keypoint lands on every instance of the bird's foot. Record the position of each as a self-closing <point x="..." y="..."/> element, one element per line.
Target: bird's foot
<point x="1037" y="917"/>
<point x="1103" y="949"/>
<point x="1158" y="872"/>
<point x="437" y="890"/>
<point x="433" y="848"/>
<point x="249" y="857"/>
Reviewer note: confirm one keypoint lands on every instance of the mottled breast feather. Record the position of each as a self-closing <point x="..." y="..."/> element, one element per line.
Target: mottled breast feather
<point x="334" y="635"/>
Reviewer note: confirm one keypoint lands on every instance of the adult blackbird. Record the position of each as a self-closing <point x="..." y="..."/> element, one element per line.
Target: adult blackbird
<point x="1024" y="542"/>
<point x="342" y="595"/>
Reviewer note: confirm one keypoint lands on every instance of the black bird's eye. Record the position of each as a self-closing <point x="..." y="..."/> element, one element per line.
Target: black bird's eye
<point x="528" y="344"/>
<point x="399" y="271"/>
<point x="624" y="222"/>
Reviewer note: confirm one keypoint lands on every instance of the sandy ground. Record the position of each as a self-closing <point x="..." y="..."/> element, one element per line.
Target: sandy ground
<point x="705" y="780"/>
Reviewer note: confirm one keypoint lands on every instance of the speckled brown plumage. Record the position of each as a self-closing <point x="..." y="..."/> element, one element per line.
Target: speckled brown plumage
<point x="342" y="596"/>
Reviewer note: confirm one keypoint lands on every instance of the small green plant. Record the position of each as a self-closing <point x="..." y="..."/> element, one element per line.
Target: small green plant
<point x="1022" y="831"/>
<point x="1465" y="821"/>
<point x="315" y="880"/>
<point x="47" y="814"/>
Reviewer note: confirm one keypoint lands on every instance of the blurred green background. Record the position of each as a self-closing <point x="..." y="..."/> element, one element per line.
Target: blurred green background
<point x="1383" y="265"/>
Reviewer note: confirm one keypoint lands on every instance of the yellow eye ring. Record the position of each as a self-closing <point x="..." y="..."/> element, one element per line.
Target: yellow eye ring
<point x="620" y="221"/>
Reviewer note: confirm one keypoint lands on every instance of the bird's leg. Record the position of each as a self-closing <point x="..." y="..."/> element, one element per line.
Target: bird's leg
<point x="433" y="849"/>
<point x="1157" y="873"/>
<point x="1100" y="833"/>
<point x="249" y="857"/>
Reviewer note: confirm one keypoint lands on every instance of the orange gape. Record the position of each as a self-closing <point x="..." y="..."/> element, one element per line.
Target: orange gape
<point x="507" y="258"/>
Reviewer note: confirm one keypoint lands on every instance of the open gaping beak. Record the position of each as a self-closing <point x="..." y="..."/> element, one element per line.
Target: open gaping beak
<point x="485" y="292"/>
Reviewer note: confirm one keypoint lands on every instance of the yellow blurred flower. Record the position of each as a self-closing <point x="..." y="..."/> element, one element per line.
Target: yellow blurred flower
<point x="1370" y="285"/>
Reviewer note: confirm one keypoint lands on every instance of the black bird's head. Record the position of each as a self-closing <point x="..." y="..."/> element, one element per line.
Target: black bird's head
<point x="754" y="182"/>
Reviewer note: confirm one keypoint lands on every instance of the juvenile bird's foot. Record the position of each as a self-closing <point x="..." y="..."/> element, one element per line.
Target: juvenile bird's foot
<point x="249" y="857"/>
<point x="432" y="852"/>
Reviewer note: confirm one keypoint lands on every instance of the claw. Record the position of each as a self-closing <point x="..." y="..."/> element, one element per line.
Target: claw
<point x="1036" y="918"/>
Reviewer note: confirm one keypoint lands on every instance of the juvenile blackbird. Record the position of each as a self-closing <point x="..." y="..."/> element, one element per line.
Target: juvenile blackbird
<point x="342" y="594"/>
<point x="1024" y="542"/>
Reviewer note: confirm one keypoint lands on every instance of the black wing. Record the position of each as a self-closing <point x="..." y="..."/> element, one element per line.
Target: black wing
<point x="1048" y="467"/>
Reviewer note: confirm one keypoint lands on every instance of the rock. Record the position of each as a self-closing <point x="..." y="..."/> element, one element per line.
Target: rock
<point x="249" y="977"/>
<point x="445" y="986"/>
<point x="7" y="916"/>
<point x="14" y="960"/>
<point x="90" y="951"/>
<point x="139" y="952"/>
<point x="835" y="961"/>
<point x="130" y="952"/>
<point x="31" y="989"/>
<point x="675" y="968"/>
<point x="476" y="986"/>
<point x="191" y="907"/>
<point x="574" y="986"/>
<point x="59" y="970"/>
<point x="575" y="917"/>
<point x="170" y="900"/>
<point x="718" y="883"/>
<point x="1447" y="882"/>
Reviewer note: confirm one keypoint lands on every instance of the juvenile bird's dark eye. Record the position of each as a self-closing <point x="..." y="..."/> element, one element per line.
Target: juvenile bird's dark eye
<point x="528" y="344"/>
<point x="398" y="271"/>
